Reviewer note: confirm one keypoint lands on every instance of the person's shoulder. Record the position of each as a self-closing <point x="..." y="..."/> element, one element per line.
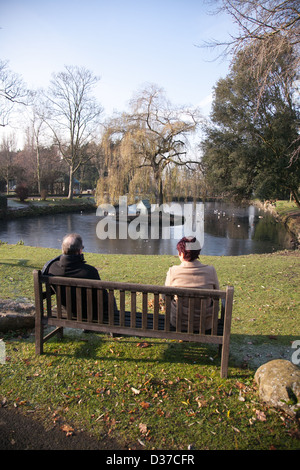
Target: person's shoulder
<point x="209" y="268"/>
<point x="175" y="268"/>
<point x="93" y="272"/>
<point x="50" y="265"/>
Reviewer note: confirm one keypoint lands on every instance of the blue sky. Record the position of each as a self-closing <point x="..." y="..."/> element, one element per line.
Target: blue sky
<point x="127" y="43"/>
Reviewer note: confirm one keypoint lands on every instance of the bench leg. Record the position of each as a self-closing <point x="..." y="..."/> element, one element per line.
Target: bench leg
<point x="60" y="333"/>
<point x="224" y="357"/>
<point x="39" y="330"/>
<point x="39" y="310"/>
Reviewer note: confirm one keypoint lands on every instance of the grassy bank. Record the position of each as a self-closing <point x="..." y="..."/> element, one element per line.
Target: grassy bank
<point x="287" y="212"/>
<point x="156" y="394"/>
<point x="36" y="207"/>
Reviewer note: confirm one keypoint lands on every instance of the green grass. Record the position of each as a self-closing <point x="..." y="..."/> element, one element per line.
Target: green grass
<point x="286" y="207"/>
<point x="167" y="394"/>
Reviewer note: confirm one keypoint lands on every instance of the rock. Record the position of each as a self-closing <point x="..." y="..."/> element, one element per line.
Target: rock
<point x="16" y="314"/>
<point x="279" y="385"/>
<point x="20" y="305"/>
<point x="10" y="321"/>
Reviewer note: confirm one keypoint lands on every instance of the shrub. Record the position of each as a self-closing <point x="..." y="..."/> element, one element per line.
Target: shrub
<point x="22" y="192"/>
<point x="44" y="194"/>
<point x="3" y="202"/>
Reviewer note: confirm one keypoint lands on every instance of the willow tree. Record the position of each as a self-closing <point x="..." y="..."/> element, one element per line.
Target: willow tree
<point x="73" y="116"/>
<point x="117" y="168"/>
<point x="154" y="134"/>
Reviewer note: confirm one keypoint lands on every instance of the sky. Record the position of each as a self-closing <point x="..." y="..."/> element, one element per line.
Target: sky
<point x="126" y="43"/>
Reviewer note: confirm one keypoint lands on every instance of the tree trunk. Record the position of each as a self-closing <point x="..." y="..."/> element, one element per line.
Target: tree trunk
<point x="38" y="171"/>
<point x="158" y="187"/>
<point x="70" y="195"/>
<point x="296" y="197"/>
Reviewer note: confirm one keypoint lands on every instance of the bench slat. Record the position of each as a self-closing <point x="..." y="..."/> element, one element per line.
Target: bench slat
<point x="68" y="302"/>
<point x="58" y="301"/>
<point x="100" y="312"/>
<point x="191" y="310"/>
<point x="89" y="305"/>
<point x="156" y="311"/>
<point x="178" y="313"/>
<point x="168" y="300"/>
<point x="133" y="309"/>
<point x="144" y="310"/>
<point x="111" y="306"/>
<point x="79" y="303"/>
<point x="202" y="316"/>
<point x="122" y="308"/>
<point x="215" y="316"/>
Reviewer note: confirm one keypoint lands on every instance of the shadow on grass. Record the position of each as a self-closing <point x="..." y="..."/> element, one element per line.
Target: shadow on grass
<point x="251" y="351"/>
<point x="246" y="351"/>
<point x="14" y="262"/>
<point x="103" y="347"/>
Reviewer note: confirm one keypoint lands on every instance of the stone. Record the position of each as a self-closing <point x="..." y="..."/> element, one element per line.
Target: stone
<point x="16" y="314"/>
<point x="279" y="385"/>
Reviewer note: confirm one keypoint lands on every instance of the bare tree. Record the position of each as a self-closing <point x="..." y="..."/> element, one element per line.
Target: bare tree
<point x="268" y="28"/>
<point x="263" y="21"/>
<point x="73" y="115"/>
<point x="7" y="164"/>
<point x="36" y="130"/>
<point x="12" y="91"/>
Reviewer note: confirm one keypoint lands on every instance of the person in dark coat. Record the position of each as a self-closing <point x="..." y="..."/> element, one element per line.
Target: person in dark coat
<point x="71" y="263"/>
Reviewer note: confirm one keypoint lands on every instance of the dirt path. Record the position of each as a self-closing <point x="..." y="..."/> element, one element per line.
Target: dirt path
<point x="21" y="432"/>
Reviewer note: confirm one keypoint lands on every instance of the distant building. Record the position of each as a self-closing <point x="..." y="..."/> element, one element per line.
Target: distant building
<point x="61" y="185"/>
<point x="143" y="207"/>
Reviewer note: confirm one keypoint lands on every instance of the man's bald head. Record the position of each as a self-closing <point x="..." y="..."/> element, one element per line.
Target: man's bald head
<point x="72" y="244"/>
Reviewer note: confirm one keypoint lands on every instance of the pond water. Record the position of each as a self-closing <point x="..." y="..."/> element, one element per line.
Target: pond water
<point x="228" y="231"/>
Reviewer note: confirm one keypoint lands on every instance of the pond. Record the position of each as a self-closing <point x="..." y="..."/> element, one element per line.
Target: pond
<point x="228" y="231"/>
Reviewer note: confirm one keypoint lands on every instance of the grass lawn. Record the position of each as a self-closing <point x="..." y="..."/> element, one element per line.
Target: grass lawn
<point x="158" y="394"/>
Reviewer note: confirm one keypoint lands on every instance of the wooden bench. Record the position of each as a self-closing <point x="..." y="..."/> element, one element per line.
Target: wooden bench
<point x="138" y="311"/>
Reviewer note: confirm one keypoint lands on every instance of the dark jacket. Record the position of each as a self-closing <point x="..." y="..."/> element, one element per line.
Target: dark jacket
<point x="71" y="266"/>
<point x="75" y="266"/>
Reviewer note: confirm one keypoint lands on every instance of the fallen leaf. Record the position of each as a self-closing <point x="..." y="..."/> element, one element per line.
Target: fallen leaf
<point x="199" y="376"/>
<point x="3" y="402"/>
<point x="145" y="405"/>
<point x="143" y="428"/>
<point x="235" y="429"/>
<point x="67" y="429"/>
<point x="240" y="385"/>
<point x="260" y="415"/>
<point x="143" y="345"/>
<point x="201" y="402"/>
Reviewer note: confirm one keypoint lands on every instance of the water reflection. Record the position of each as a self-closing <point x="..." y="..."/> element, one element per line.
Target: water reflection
<point x="228" y="230"/>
